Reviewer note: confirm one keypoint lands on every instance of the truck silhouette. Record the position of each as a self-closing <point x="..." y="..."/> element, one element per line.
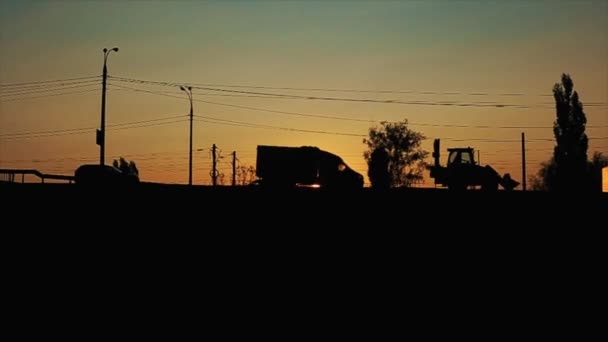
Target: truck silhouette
<point x="462" y="171"/>
<point x="306" y="166"/>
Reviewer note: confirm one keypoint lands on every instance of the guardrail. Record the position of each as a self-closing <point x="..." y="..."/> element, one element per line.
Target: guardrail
<point x="8" y="175"/>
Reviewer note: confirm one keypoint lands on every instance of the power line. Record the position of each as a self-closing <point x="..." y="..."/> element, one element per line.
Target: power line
<point x="255" y="125"/>
<point x="325" y="98"/>
<point x="48" y="95"/>
<point x="335" y="90"/>
<point x="10" y="91"/>
<point x="87" y="130"/>
<point x="145" y="123"/>
<point x="213" y="94"/>
<point x="49" y="81"/>
<point x="177" y="155"/>
<point x="48" y="90"/>
<point x="249" y="108"/>
<point x="250" y="125"/>
<point x="319" y="116"/>
<point x="290" y="96"/>
<point x="210" y="87"/>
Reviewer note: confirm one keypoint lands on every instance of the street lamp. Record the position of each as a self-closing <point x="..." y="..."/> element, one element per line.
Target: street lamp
<point x="101" y="134"/>
<point x="188" y="91"/>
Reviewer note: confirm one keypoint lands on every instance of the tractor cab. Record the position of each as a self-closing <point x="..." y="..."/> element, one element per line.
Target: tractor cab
<point x="461" y="156"/>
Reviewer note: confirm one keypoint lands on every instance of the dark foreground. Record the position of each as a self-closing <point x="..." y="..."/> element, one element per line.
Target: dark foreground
<point x="508" y="252"/>
<point x="200" y="206"/>
<point x="223" y="222"/>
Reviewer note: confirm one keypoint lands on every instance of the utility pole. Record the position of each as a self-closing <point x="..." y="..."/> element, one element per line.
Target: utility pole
<point x="188" y="91"/>
<point x="523" y="159"/>
<point x="214" y="171"/>
<point x="101" y="133"/>
<point x="190" y="155"/>
<point x="233" y="168"/>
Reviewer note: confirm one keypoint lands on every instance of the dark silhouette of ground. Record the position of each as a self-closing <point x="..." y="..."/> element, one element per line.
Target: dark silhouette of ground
<point x="143" y="244"/>
<point x="197" y="206"/>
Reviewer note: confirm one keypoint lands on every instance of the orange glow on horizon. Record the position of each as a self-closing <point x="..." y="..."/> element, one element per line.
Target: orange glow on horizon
<point x="472" y="74"/>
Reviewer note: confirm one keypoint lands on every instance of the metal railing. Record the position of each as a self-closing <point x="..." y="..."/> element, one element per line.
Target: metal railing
<point x="8" y="175"/>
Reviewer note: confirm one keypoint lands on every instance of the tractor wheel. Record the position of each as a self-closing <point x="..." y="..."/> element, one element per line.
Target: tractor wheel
<point x="490" y="185"/>
<point x="457" y="187"/>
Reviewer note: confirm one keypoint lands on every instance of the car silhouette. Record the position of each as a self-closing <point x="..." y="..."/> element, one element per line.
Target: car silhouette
<point x="103" y="175"/>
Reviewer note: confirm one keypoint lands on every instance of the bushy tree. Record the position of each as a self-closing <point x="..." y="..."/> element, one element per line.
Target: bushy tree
<point x="245" y="174"/>
<point x="544" y="180"/>
<point x="402" y="146"/>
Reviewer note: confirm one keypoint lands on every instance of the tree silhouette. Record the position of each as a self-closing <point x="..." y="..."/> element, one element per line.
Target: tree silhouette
<point x="378" y="169"/>
<point x="245" y="174"/>
<point x="570" y="153"/>
<point x="402" y="146"/>
<point x="544" y="180"/>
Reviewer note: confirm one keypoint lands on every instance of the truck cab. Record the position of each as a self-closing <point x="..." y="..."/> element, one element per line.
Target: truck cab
<point x="305" y="166"/>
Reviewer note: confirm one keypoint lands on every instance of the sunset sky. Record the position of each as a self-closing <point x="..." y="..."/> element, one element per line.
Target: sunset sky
<point x="453" y="66"/>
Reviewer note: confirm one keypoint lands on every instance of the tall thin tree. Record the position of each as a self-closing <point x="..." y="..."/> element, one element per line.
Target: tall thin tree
<point x="570" y="153"/>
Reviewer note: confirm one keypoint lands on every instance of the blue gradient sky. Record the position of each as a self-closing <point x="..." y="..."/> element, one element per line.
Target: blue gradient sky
<point x="441" y="46"/>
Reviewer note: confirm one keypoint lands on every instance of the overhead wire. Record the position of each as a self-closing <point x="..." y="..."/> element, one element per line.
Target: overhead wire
<point x="47" y="81"/>
<point x="291" y="96"/>
<point x="41" y="88"/>
<point x="89" y="128"/>
<point x="332" y="89"/>
<point x="326" y="98"/>
<point x="85" y="130"/>
<point x="48" y="95"/>
<point x="255" y="125"/>
<point x="413" y="123"/>
<point x="47" y="90"/>
<point x="251" y="125"/>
